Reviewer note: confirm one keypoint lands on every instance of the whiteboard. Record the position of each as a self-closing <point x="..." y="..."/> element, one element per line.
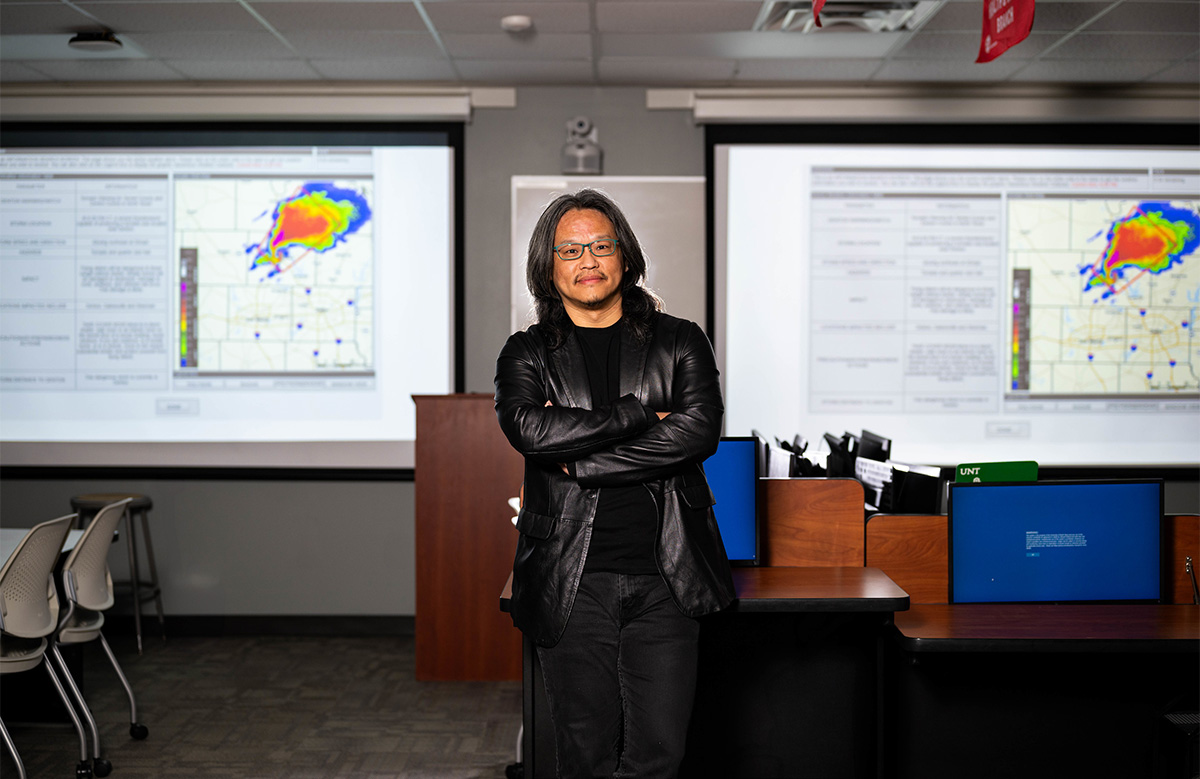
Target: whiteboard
<point x="666" y="214"/>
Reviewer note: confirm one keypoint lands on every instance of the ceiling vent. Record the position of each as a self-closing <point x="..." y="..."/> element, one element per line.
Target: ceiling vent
<point x="797" y="16"/>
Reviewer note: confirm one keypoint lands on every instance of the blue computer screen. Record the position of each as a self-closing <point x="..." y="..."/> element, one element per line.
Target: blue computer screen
<point x="733" y="475"/>
<point x="1049" y="541"/>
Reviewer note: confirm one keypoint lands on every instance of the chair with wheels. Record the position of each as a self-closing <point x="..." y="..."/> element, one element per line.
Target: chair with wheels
<point x="29" y="614"/>
<point x="88" y="588"/>
<point x="142" y="589"/>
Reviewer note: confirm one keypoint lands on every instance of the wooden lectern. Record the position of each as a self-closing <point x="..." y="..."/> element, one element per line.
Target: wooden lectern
<point x="465" y="473"/>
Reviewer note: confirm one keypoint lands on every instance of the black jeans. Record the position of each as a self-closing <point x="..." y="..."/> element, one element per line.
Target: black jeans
<point x="622" y="679"/>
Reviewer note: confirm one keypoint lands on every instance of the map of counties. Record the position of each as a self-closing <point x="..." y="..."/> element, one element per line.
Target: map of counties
<point x="1113" y="292"/>
<point x="283" y="273"/>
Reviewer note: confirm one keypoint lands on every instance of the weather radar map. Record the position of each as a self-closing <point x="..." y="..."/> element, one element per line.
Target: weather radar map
<point x="276" y="275"/>
<point x="1105" y="295"/>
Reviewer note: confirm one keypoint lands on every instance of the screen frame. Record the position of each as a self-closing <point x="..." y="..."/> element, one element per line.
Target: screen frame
<point x="174" y="134"/>
<point x="1064" y="134"/>
<point x="1164" y="579"/>
<point x="758" y="475"/>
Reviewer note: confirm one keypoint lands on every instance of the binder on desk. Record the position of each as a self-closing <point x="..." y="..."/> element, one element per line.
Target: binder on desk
<point x="1022" y="470"/>
<point x="911" y="491"/>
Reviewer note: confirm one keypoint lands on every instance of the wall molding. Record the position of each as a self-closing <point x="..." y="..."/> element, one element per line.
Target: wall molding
<point x="934" y="103"/>
<point x="262" y="102"/>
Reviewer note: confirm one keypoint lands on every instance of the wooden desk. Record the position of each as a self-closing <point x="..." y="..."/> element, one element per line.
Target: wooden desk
<point x="1049" y="628"/>
<point x="787" y="680"/>
<point x="803" y="589"/>
<point x="816" y="590"/>
<point x="1040" y="690"/>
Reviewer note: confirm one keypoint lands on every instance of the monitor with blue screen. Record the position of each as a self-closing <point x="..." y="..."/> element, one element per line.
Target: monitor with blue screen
<point x="1062" y="542"/>
<point x="733" y="477"/>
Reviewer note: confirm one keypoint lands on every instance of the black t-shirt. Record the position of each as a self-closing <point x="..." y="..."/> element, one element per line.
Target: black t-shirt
<point x="626" y="523"/>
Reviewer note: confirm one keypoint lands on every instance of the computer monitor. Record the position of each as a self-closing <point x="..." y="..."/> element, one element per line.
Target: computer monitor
<point x="1062" y="542"/>
<point x="733" y="477"/>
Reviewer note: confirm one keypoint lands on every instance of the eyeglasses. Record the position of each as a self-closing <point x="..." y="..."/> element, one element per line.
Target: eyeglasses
<point x="601" y="247"/>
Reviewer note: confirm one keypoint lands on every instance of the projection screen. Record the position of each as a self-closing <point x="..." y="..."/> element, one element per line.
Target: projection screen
<point x="972" y="303"/>
<point x="247" y="298"/>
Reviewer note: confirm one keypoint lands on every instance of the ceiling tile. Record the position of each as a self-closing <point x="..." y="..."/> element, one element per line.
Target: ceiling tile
<point x="525" y="71"/>
<point x="749" y="45"/>
<point x="964" y="47"/>
<point x="108" y="70"/>
<point x="1125" y="46"/>
<point x="943" y="70"/>
<point x="639" y="42"/>
<point x="245" y="70"/>
<point x="172" y="17"/>
<point x="288" y="17"/>
<point x="676" y="17"/>
<point x="805" y="70"/>
<point x="1088" y="71"/>
<point x="14" y="71"/>
<point x="214" y="45"/>
<point x="477" y="17"/>
<point x="343" y="44"/>
<point x="542" y="46"/>
<point x="1186" y="72"/>
<point x="655" y="71"/>
<point x="55" y="47"/>
<point x="404" y="69"/>
<point x="1050" y="16"/>
<point x="1149" y="17"/>
<point x="30" y="19"/>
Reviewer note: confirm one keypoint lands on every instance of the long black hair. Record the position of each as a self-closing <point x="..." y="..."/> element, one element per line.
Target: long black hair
<point x="638" y="304"/>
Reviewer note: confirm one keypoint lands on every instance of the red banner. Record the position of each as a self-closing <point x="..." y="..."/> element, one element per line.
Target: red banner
<point x="1005" y="24"/>
<point x="817" y="6"/>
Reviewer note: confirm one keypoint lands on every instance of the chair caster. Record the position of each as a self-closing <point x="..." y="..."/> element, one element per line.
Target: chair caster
<point x="138" y="731"/>
<point x="83" y="770"/>
<point x="101" y="767"/>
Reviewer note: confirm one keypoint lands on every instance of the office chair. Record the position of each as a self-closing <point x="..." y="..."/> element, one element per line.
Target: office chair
<point x="28" y="614"/>
<point x="88" y="588"/>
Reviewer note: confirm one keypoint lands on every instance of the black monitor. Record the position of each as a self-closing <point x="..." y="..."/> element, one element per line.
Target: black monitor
<point x="733" y="477"/>
<point x="1061" y="542"/>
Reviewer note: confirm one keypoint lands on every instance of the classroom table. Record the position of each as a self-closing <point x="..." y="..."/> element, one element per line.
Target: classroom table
<point x="10" y="539"/>
<point x="787" y="682"/>
<point x="1042" y="690"/>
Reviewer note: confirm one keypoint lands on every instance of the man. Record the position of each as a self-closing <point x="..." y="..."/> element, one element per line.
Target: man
<point x="614" y="406"/>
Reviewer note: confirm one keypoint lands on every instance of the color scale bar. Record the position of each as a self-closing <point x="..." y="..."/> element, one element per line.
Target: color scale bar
<point x="183" y="324"/>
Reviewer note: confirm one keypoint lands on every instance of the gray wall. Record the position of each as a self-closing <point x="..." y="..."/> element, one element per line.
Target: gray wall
<point x="304" y="548"/>
<point x="266" y="547"/>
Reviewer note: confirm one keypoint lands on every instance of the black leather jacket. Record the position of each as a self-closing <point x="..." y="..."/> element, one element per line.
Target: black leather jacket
<point x="620" y="445"/>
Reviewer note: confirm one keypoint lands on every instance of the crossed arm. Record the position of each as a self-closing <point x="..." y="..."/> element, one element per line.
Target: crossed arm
<point x="626" y="443"/>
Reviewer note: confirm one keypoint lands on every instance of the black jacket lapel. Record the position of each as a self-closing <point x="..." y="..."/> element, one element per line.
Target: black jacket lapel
<point x="572" y="373"/>
<point x="633" y="364"/>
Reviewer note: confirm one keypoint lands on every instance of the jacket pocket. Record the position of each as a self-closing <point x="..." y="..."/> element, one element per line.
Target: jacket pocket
<point x="535" y="525"/>
<point x="698" y="496"/>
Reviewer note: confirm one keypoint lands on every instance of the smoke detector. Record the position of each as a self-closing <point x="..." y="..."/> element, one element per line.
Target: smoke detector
<point x="867" y="16"/>
<point x="95" y="41"/>
<point x="516" y="23"/>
